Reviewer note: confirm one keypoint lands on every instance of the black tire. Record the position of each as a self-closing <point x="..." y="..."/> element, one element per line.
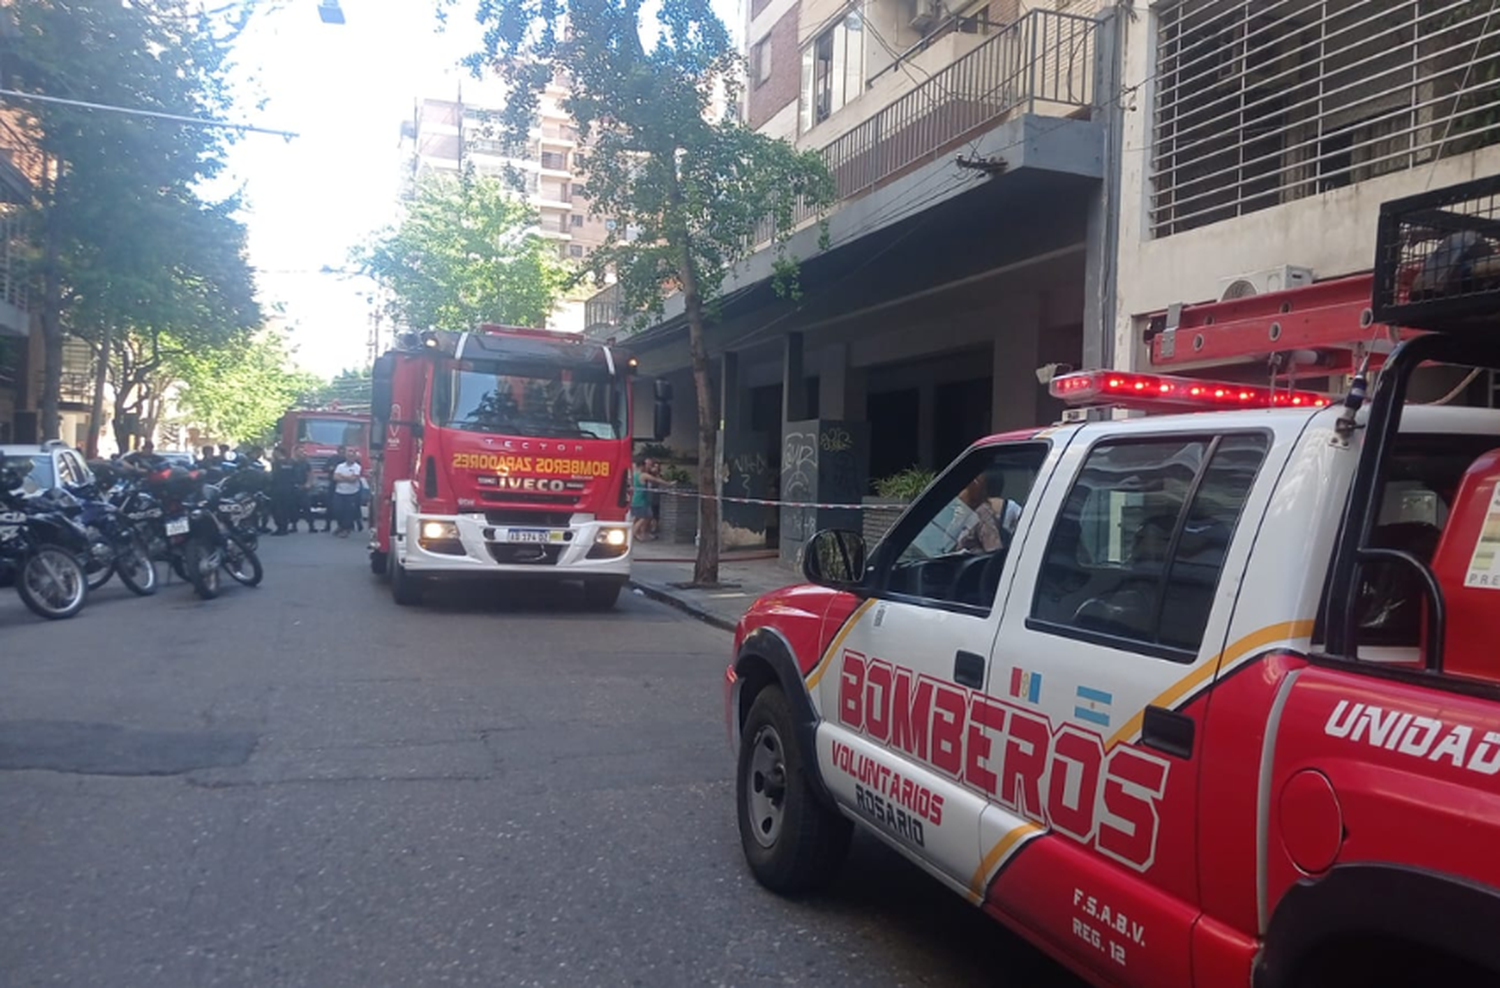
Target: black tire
<point x="137" y="570"/>
<point x="241" y="562"/>
<point x="202" y="568"/>
<point x="100" y="564"/>
<point x="600" y="595"/>
<point x="378" y="563"/>
<point x="406" y="589"/>
<point x="50" y="568"/>
<point x="795" y="843"/>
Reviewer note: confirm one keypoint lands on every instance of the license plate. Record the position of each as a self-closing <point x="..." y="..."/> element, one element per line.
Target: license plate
<point x="177" y="526"/>
<point x="534" y="535"/>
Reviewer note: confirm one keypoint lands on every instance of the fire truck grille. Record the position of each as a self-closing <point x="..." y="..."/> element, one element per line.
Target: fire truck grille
<point x="498" y="497"/>
<point x="536" y="519"/>
<point x="524" y="555"/>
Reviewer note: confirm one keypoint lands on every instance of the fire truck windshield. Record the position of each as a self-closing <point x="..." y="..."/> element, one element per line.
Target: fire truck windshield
<point x="558" y="402"/>
<point x="331" y="432"/>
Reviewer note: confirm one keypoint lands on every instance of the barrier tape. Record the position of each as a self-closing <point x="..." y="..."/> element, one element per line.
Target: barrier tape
<point x="781" y="504"/>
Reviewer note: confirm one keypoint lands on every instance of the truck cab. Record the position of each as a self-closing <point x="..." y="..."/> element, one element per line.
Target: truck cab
<point x="506" y="454"/>
<point x="1186" y="700"/>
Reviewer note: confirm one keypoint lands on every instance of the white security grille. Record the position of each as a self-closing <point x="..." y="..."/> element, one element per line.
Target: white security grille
<point x="1269" y="101"/>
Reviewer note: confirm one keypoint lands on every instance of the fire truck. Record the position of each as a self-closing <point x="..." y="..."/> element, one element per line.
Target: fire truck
<point x="1188" y="699"/>
<point x="319" y="432"/>
<point x="506" y="454"/>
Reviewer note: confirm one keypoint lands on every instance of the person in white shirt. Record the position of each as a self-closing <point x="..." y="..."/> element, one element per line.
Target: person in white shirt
<point x="346" y="477"/>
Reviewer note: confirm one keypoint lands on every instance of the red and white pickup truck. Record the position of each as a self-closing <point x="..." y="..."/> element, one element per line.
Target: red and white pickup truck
<point x="1190" y="700"/>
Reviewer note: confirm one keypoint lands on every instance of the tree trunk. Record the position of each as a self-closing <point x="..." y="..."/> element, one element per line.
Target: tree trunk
<point x="52" y="335"/>
<point x="123" y="390"/>
<point x="706" y="566"/>
<point x="96" y="408"/>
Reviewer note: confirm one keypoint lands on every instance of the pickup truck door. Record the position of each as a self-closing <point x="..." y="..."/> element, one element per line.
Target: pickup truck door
<point x="1113" y="629"/>
<point x="898" y="687"/>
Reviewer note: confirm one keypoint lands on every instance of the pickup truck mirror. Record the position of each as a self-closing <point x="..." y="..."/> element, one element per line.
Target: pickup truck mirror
<point x="834" y="558"/>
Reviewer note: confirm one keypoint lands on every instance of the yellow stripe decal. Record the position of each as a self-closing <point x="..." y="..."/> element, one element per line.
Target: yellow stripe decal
<point x="1002" y="846"/>
<point x="1253" y="642"/>
<point x="833" y="646"/>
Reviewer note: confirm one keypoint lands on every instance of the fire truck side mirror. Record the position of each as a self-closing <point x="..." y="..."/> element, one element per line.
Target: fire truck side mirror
<point x="662" y="419"/>
<point x="380" y="387"/>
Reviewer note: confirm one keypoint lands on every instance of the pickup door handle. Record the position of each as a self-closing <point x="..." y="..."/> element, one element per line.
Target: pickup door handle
<point x="1167" y="731"/>
<point x="968" y="670"/>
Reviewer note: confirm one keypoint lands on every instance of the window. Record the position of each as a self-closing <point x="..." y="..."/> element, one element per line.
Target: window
<point x="577" y="220"/>
<point x="332" y="432"/>
<point x="832" y="69"/>
<point x="760" y="63"/>
<point x="575" y="250"/>
<point x="951" y="547"/>
<point x="580" y="191"/>
<point x="555" y="160"/>
<point x="519" y="399"/>
<point x="1146" y="525"/>
<point x="564" y="193"/>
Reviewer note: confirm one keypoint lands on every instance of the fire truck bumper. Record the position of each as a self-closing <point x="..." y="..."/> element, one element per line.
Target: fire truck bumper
<point x="459" y="545"/>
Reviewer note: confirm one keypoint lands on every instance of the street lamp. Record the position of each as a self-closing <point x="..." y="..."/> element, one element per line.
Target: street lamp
<point x="330" y="11"/>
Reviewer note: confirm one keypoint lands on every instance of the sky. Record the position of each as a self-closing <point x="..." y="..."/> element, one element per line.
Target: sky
<point x="345" y="90"/>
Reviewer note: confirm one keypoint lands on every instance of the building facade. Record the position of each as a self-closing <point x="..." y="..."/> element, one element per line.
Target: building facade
<point x="460" y="134"/>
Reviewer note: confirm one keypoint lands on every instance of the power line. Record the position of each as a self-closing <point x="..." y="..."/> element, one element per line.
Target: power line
<point x="154" y="114"/>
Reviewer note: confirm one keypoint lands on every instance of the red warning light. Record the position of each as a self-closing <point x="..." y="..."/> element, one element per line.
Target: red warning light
<point x="1177" y="393"/>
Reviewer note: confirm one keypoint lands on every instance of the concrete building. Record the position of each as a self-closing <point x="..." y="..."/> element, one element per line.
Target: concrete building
<point x="20" y="342"/>
<point x="1258" y="142"/>
<point x="453" y="135"/>
<point x="969" y="244"/>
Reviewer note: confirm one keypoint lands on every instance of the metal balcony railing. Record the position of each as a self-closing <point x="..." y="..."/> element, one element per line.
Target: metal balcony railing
<point x="13" y="275"/>
<point x="601" y="313"/>
<point x="20" y="153"/>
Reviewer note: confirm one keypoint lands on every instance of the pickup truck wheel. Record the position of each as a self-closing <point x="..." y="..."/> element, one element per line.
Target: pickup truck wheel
<point x="406" y="589"/>
<point x="792" y="842"/>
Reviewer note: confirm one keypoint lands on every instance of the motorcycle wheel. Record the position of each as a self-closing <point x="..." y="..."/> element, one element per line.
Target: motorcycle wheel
<point x="136" y="569"/>
<point x="101" y="560"/>
<point x="52" y="583"/>
<point x="201" y="562"/>
<point x="241" y="562"/>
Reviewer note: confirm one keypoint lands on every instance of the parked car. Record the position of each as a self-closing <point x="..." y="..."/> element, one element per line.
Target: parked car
<point x="42" y="467"/>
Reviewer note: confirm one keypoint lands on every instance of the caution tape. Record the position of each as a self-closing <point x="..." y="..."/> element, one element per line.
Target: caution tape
<point x="780" y="504"/>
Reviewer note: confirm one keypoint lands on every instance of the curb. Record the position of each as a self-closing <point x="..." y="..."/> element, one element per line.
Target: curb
<point x="687" y="607"/>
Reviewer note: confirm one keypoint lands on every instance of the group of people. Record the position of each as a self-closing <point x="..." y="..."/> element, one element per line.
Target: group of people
<point x="298" y="487"/>
<point x="645" y="504"/>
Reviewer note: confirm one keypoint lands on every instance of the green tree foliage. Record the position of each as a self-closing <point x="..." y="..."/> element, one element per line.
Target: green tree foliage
<point x="130" y="253"/>
<point x="694" y="188"/>
<point x="237" y="394"/>
<point x="464" y="253"/>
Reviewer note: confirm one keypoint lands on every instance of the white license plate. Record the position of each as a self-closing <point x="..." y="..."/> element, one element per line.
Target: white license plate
<point x="177" y="526"/>
<point x="536" y="535"/>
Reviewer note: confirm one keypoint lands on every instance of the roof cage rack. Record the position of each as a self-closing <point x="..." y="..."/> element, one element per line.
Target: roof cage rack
<point x="1437" y="259"/>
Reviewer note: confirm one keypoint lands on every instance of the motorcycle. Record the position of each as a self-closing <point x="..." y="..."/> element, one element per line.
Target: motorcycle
<point x="41" y="552"/>
<point x="193" y="539"/>
<point x="115" y="547"/>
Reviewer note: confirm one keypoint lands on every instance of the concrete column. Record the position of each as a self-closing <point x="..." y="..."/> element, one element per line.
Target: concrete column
<point x="927" y="426"/>
<point x="793" y="381"/>
<point x="833" y="384"/>
<point x="1102" y="248"/>
<point x="1015" y="390"/>
<point x="731" y="393"/>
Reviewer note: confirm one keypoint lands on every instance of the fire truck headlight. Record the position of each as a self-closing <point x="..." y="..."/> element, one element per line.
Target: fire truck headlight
<point x="438" y="530"/>
<point x="612" y="536"/>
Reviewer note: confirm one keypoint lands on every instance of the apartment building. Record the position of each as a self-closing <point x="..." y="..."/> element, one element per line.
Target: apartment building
<point x="968" y="144"/>
<point x="1259" y="140"/>
<point x="463" y="133"/>
<point x="20" y="171"/>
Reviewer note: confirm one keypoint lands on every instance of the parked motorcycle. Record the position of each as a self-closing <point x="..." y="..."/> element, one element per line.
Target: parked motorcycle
<point x="115" y="546"/>
<point x="192" y="538"/>
<point x="41" y="552"/>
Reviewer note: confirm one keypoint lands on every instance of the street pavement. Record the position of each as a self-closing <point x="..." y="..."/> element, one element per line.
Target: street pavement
<point x="303" y="784"/>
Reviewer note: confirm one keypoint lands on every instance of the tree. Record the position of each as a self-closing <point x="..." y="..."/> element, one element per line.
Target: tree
<point x="119" y="215"/>
<point x="694" y="186"/>
<point x="465" y="252"/>
<point x="239" y="394"/>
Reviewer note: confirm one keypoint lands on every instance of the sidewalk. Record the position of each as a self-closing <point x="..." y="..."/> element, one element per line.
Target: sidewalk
<point x="656" y="566"/>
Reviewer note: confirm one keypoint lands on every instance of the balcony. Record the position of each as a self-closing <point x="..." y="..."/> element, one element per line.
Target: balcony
<point x="13" y="281"/>
<point x="601" y="313"/>
<point x="21" y="162"/>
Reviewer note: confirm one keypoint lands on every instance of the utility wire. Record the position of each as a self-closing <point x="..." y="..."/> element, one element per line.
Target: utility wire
<point x="154" y="114"/>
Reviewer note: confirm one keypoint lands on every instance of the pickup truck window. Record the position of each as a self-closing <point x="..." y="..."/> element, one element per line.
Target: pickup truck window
<point x="951" y="547"/>
<point x="1147" y="524"/>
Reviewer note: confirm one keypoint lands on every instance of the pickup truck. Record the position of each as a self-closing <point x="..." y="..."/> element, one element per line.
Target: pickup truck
<point x="1186" y="700"/>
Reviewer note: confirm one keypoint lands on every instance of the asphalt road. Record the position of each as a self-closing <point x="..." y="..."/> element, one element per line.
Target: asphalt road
<point x="305" y="785"/>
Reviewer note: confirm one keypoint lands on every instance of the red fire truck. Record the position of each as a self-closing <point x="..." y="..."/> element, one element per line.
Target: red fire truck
<point x="505" y="453"/>
<point x="320" y="432"/>
<point x="1188" y="701"/>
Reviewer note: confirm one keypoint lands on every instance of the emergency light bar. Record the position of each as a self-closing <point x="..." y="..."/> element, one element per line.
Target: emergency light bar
<point x="1105" y="387"/>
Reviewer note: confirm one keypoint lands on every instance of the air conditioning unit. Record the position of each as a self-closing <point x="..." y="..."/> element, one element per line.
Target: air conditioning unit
<point x="1277" y="279"/>
<point x="924" y="15"/>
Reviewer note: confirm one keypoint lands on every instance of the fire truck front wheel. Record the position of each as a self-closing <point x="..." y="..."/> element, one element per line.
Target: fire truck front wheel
<point x="406" y="589"/>
<point x="378" y="565"/>
<point x="792" y="842"/>
<point x="600" y="595"/>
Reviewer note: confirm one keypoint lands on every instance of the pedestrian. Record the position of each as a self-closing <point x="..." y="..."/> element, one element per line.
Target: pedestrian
<point x="283" y="491"/>
<point x="209" y="459"/>
<point x="346" y="478"/>
<point x="653" y="468"/>
<point x="640" y="498"/>
<point x="302" y="479"/>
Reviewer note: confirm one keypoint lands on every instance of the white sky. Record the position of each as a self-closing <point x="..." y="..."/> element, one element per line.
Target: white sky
<point x="346" y="90"/>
